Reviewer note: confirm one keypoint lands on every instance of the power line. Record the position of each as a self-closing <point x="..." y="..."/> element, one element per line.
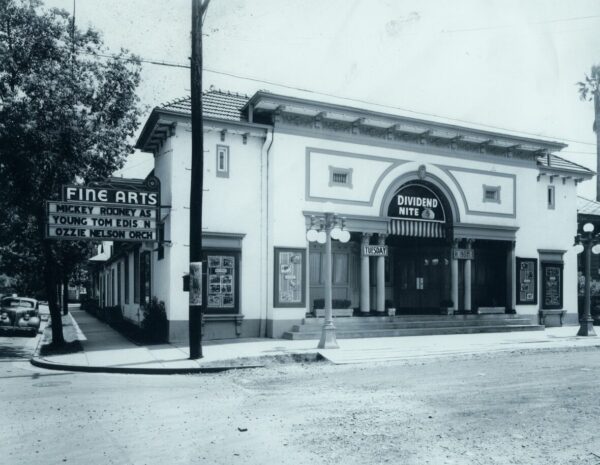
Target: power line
<point x="579" y="153"/>
<point x="325" y="94"/>
<point x="550" y="21"/>
<point x="127" y="168"/>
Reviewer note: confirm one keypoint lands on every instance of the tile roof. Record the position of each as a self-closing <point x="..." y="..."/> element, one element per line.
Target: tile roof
<point x="215" y="103"/>
<point x="562" y="164"/>
<point x="587" y="206"/>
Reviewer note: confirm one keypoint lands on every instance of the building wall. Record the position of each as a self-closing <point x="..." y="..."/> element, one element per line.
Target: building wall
<point x="231" y="205"/>
<point x="270" y="188"/>
<point x="299" y="170"/>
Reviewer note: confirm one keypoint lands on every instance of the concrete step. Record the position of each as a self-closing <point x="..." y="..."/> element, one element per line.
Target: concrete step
<point x="397" y="332"/>
<point x="396" y="324"/>
<point x="468" y="317"/>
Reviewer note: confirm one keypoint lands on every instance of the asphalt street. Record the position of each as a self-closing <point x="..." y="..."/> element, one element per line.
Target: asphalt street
<point x="531" y="408"/>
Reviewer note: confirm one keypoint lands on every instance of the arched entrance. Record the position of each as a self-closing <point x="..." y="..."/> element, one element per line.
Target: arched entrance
<point x="420" y="246"/>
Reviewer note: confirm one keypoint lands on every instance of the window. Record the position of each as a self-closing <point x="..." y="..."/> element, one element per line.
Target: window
<point x="145" y="277"/>
<point x="136" y="276"/>
<point x="126" y="273"/>
<point x="222" y="161"/>
<point x="491" y="194"/>
<point x="340" y="268"/>
<point x="340" y="177"/>
<point x="551" y="197"/>
<point x="161" y="241"/>
<point x="112" y="287"/>
<point x="119" y="274"/>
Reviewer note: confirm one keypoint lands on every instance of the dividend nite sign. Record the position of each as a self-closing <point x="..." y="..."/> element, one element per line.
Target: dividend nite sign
<point x="416" y="202"/>
<point x="111" y="213"/>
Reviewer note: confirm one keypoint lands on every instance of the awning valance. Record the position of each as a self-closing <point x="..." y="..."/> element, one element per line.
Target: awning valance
<point x="417" y="228"/>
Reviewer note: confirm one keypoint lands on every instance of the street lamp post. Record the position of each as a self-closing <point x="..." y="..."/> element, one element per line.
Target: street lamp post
<point x="585" y="243"/>
<point x="322" y="230"/>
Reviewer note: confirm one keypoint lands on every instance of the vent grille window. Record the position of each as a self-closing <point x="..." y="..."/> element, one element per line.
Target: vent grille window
<point x="340" y="177"/>
<point x="491" y="194"/>
<point x="551" y="198"/>
<point x="222" y="161"/>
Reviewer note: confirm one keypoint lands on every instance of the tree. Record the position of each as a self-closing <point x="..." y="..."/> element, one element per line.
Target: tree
<point x="67" y="115"/>
<point x="590" y="90"/>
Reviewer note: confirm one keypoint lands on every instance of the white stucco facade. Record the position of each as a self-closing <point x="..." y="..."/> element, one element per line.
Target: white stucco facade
<point x="510" y="195"/>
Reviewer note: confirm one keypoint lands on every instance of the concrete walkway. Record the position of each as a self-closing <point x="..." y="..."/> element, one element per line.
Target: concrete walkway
<point x="105" y="350"/>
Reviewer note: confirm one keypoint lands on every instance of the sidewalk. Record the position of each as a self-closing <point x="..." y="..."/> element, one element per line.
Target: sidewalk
<point x="105" y="350"/>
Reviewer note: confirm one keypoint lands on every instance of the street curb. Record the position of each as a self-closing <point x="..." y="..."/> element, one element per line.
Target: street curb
<point x="42" y="363"/>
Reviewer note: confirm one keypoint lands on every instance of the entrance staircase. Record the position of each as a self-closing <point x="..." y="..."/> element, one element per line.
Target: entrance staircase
<point x="413" y="325"/>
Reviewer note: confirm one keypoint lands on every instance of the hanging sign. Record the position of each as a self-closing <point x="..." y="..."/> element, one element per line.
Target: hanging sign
<point x="463" y="254"/>
<point x="195" y="284"/>
<point x="418" y="203"/>
<point x="113" y="211"/>
<point x="375" y="250"/>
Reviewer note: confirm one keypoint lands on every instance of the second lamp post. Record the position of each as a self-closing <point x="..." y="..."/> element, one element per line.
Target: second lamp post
<point x="322" y="230"/>
<point x="587" y="243"/>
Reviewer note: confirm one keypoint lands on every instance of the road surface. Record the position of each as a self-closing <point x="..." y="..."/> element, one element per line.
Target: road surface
<point x="526" y="408"/>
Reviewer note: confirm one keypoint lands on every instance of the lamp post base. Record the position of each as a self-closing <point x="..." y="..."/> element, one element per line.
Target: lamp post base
<point x="586" y="327"/>
<point x="328" y="339"/>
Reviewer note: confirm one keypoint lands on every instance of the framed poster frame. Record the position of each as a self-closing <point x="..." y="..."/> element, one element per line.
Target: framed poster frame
<point x="545" y="265"/>
<point x="226" y="271"/>
<point x="525" y="265"/>
<point x="282" y="269"/>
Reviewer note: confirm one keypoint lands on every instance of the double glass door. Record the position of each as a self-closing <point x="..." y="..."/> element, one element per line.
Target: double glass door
<point x="422" y="276"/>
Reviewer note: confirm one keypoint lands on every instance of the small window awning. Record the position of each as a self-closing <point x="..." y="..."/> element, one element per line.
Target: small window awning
<point x="411" y="228"/>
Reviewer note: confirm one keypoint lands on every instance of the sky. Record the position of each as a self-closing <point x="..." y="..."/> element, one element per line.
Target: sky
<point x="505" y="65"/>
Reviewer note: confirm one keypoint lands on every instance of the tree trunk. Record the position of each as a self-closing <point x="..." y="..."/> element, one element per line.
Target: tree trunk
<point x="50" y="281"/>
<point x="65" y="292"/>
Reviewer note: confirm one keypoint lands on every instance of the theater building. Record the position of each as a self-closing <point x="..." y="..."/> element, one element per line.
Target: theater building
<point x="463" y="221"/>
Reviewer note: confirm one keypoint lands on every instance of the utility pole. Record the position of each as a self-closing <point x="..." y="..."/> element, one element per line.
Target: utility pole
<point x="597" y="131"/>
<point x="196" y="304"/>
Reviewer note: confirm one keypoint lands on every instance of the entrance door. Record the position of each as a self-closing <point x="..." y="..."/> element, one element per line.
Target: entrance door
<point x="422" y="277"/>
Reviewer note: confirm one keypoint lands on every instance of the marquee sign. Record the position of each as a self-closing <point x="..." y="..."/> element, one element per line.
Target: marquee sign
<point x="114" y="211"/>
<point x="417" y="202"/>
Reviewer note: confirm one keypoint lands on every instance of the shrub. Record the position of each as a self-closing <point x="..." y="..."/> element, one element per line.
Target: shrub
<point x="335" y="303"/>
<point x="155" y="323"/>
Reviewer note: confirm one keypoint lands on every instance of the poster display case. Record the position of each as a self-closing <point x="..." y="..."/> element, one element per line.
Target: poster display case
<point x="290" y="270"/>
<point x="527" y="281"/>
<point x="552" y="285"/>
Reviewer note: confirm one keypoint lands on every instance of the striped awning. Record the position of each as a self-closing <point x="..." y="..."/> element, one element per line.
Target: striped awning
<point x="416" y="228"/>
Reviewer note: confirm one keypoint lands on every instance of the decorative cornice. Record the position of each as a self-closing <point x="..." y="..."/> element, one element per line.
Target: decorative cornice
<point x="154" y="131"/>
<point x="267" y="102"/>
<point x="428" y="140"/>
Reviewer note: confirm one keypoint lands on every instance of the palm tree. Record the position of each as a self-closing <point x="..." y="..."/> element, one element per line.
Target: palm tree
<point x="590" y="90"/>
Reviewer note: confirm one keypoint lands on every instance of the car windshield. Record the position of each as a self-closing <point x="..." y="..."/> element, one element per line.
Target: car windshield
<point x="12" y="303"/>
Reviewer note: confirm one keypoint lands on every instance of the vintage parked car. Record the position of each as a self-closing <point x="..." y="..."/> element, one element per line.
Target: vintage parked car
<point x="19" y="313"/>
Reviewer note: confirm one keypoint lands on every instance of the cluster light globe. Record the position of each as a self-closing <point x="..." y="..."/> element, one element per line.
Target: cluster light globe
<point x="578" y="248"/>
<point x="588" y="228"/>
<point x="344" y="236"/>
<point x="596" y="249"/>
<point x="335" y="233"/>
<point x="321" y="237"/>
<point x="311" y="235"/>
